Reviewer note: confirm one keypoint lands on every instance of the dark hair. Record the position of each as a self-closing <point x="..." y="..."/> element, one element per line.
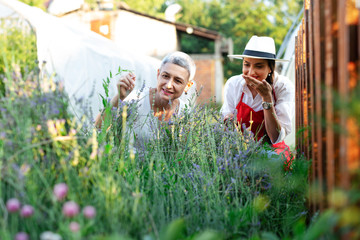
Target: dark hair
<point x="270" y="77"/>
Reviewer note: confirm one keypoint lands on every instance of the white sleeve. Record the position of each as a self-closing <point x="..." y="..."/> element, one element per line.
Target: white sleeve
<point x="230" y="97"/>
<point x="284" y="106"/>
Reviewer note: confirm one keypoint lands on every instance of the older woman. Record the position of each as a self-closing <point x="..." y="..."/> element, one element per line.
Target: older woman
<point x="260" y="98"/>
<point x="173" y="77"/>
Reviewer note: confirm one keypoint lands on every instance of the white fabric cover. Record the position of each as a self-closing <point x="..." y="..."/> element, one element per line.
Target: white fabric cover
<point x="81" y="59"/>
<point x="58" y="7"/>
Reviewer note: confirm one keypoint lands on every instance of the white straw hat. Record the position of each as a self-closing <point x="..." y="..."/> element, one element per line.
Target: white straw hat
<point x="259" y="47"/>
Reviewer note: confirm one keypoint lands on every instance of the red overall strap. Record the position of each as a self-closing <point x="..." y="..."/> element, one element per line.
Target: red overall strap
<point x="244" y="112"/>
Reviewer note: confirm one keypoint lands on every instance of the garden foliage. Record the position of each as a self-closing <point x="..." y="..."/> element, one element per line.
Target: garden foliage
<point x="60" y="178"/>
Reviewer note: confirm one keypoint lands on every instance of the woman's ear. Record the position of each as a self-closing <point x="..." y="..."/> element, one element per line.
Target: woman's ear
<point x="158" y="73"/>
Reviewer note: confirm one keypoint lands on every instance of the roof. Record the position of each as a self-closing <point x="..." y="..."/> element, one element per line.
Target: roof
<point x="182" y="27"/>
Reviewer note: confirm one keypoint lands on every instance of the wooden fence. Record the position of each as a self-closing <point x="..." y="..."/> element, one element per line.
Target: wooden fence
<point x="327" y="74"/>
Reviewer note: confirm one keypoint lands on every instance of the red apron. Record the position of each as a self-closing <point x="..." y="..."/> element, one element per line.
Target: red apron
<point x="258" y="128"/>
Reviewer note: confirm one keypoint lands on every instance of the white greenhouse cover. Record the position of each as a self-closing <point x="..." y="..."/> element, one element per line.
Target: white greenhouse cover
<point x="289" y="71"/>
<point x="81" y="59"/>
<point x="58" y="7"/>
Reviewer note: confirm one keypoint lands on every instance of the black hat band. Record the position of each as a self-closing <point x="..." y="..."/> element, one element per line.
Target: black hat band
<point x="259" y="54"/>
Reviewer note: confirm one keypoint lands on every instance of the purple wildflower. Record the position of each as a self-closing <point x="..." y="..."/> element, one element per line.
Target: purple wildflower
<point x="27" y="211"/>
<point x="13" y="205"/>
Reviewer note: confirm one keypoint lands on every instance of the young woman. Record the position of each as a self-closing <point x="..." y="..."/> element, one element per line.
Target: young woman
<point x="159" y="103"/>
<point x="260" y="96"/>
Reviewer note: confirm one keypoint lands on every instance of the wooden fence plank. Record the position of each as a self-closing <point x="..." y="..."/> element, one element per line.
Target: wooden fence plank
<point x="298" y="86"/>
<point x="297" y="109"/>
<point x="302" y="86"/>
<point x="306" y="82"/>
<point x="343" y="80"/>
<point x="353" y="156"/>
<point x="313" y="146"/>
<point x="319" y="74"/>
<point x="330" y="162"/>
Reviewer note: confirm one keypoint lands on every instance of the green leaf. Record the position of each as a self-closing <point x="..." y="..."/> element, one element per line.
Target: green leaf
<point x="269" y="236"/>
<point x="175" y="231"/>
<point x="208" y="235"/>
<point x="324" y="225"/>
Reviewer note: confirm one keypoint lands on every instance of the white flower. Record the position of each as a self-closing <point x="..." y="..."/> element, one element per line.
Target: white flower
<point x="50" y="236"/>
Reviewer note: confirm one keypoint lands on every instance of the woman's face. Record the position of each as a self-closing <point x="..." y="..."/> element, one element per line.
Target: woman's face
<point x="256" y="68"/>
<point x="172" y="80"/>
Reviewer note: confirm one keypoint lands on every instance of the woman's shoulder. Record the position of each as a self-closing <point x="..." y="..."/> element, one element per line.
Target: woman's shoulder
<point x="283" y="83"/>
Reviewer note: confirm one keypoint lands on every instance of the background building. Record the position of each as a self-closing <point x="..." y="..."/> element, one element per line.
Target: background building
<point x="147" y="35"/>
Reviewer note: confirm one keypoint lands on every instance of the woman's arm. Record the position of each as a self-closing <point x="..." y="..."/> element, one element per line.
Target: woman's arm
<point x="272" y="124"/>
<point x="124" y="85"/>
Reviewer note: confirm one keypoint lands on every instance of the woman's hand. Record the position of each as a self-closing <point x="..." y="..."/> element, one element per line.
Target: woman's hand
<point x="125" y="84"/>
<point x="272" y="124"/>
<point x="262" y="87"/>
<point x="229" y="118"/>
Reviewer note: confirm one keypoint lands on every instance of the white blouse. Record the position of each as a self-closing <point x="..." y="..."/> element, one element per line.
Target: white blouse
<point x="146" y="125"/>
<point x="284" y="105"/>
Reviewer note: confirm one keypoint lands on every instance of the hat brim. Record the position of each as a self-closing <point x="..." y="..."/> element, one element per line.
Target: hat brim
<point x="248" y="56"/>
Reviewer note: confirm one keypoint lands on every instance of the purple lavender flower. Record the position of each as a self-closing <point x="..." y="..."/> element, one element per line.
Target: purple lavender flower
<point x="55" y="111"/>
<point x="2" y="135"/>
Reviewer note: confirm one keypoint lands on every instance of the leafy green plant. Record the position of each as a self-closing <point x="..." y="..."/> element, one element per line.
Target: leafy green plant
<point x="18" y="51"/>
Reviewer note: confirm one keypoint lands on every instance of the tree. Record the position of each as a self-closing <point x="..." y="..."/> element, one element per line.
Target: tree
<point x="151" y="7"/>
<point x="35" y="3"/>
<point x="240" y="19"/>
